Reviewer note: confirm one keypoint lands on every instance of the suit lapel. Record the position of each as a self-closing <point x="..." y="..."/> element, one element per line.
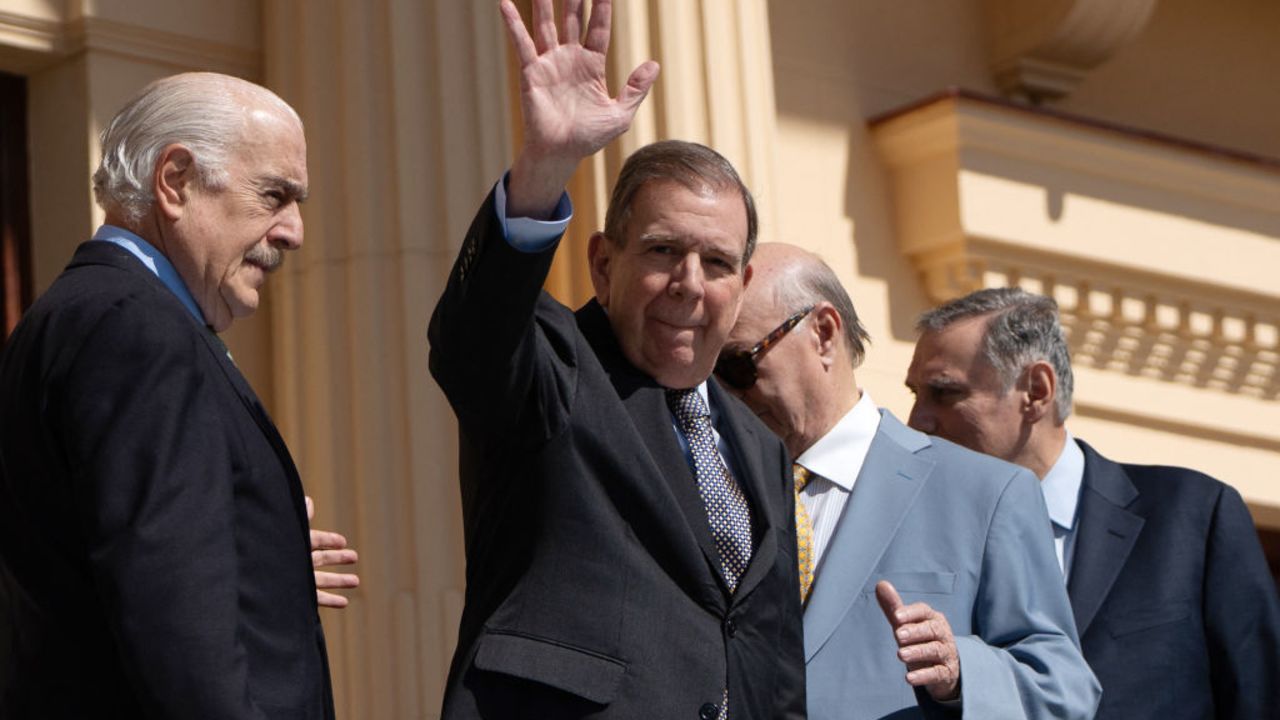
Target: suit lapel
<point x="888" y="483"/>
<point x="259" y="414"/>
<point x="1106" y="535"/>
<point x="96" y="252"/>
<point x="757" y="484"/>
<point x="663" y="484"/>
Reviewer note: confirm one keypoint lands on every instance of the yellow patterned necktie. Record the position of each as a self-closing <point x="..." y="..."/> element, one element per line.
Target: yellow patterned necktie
<point x="804" y="532"/>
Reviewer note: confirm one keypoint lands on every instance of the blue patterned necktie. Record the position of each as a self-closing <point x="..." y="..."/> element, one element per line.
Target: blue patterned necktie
<point x="727" y="510"/>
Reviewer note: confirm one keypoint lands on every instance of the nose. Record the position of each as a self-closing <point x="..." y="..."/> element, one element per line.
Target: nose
<point x="921" y="419"/>
<point x="288" y="232"/>
<point x="687" y="278"/>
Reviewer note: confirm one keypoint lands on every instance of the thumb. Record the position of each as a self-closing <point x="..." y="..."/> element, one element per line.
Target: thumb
<point x="889" y="600"/>
<point x="637" y="87"/>
<point x="311" y="507"/>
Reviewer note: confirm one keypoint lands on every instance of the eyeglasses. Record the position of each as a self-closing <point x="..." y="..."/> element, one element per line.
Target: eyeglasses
<point x="738" y="368"/>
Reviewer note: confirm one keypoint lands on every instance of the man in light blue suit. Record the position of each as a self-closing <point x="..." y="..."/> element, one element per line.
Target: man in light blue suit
<point x="927" y="561"/>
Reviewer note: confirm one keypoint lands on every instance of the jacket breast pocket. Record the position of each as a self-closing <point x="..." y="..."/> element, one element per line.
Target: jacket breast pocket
<point x="915" y="583"/>
<point x="588" y="675"/>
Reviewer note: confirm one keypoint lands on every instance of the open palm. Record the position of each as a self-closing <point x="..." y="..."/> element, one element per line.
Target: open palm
<point x="567" y="111"/>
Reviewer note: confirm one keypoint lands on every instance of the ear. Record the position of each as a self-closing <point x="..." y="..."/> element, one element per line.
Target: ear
<point x="173" y="181"/>
<point x="1042" y="386"/>
<point x="600" y="250"/>
<point x="828" y="330"/>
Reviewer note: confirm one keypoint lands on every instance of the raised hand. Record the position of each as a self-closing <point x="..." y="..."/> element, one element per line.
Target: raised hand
<point x="565" y="104"/>
<point x="327" y="549"/>
<point x="925" y="643"/>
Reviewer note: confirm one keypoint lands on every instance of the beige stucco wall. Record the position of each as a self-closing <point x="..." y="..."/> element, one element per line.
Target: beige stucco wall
<point x="837" y="64"/>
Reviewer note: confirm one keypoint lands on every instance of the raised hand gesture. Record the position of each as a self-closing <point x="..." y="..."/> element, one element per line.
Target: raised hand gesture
<point x="567" y="111"/>
<point x="925" y="643"/>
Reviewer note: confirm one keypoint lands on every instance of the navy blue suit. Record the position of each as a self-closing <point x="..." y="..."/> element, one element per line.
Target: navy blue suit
<point x="154" y="556"/>
<point x="1177" y="611"/>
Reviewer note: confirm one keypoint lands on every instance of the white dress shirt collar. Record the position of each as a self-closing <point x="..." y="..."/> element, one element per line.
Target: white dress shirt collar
<point x="838" y="455"/>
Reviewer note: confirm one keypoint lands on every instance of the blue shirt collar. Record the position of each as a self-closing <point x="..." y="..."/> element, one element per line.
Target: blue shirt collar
<point x="1061" y="485"/>
<point x="155" y="261"/>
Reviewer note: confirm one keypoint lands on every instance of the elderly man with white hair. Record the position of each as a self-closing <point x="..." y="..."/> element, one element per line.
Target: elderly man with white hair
<point x="153" y="531"/>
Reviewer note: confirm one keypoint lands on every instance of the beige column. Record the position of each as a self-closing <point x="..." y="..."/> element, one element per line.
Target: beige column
<point x="407" y="123"/>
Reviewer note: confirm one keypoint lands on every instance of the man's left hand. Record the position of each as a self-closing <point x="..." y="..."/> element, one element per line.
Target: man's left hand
<point x="925" y="644"/>
<point x="327" y="549"/>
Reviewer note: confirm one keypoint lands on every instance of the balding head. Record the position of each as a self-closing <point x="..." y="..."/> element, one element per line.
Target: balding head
<point x="804" y="379"/>
<point x="788" y="276"/>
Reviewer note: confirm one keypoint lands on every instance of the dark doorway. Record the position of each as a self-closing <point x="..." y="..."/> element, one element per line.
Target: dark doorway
<point x="15" y="226"/>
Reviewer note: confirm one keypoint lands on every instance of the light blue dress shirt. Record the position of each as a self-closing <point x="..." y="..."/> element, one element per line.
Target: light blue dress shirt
<point x="155" y="261"/>
<point x="1061" y="488"/>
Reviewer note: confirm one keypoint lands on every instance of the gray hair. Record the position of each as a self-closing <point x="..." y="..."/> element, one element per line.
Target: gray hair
<point x="1024" y="328"/>
<point x="812" y="281"/>
<point x="695" y="166"/>
<point x="205" y="112"/>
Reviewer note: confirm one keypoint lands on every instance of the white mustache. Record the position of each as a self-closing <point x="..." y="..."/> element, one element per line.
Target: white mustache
<point x="267" y="257"/>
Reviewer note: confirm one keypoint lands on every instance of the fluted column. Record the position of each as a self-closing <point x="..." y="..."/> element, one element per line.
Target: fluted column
<point x="405" y="106"/>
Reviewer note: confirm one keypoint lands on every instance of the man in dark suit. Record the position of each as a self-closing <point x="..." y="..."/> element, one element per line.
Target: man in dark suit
<point x="153" y="533"/>
<point x="951" y="542"/>
<point x="1177" y="611"/>
<point x="629" y="531"/>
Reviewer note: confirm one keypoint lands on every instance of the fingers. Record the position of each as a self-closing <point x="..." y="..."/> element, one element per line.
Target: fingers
<point x="925" y="643"/>
<point x="918" y="624"/>
<point x="326" y="558"/>
<point x="326" y="540"/>
<point x="332" y="580"/>
<point x="889" y="601"/>
<point x="544" y="26"/>
<point x="924" y="654"/>
<point x="932" y="676"/>
<point x="638" y="84"/>
<point x="572" y="34"/>
<point x="311" y="507"/>
<point x="520" y="39"/>
<point x="331" y="600"/>
<point x="598" y="27"/>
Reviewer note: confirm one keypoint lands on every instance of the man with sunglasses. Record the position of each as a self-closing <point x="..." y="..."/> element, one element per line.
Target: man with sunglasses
<point x="629" y="526"/>
<point x="914" y="551"/>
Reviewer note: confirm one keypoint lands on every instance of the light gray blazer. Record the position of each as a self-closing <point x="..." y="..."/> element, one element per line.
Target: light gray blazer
<point x="969" y="535"/>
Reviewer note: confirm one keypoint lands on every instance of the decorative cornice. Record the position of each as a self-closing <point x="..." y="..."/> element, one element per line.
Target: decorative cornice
<point x="35" y="33"/>
<point x="51" y="39"/>
<point x="154" y="46"/>
<point x="1042" y="50"/>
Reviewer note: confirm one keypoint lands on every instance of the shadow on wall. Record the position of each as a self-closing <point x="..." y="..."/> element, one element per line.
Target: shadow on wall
<point x="839" y="63"/>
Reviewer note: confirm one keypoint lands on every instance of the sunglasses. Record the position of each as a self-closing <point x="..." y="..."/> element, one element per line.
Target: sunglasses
<point x="738" y="368"/>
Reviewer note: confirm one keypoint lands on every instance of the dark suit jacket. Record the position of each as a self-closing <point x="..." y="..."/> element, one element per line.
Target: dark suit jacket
<point x="592" y="587"/>
<point x="153" y="537"/>
<point x="1176" y="608"/>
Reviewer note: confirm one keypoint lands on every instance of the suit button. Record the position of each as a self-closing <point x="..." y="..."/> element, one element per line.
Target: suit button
<point x="730" y="628"/>
<point x="709" y="711"/>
